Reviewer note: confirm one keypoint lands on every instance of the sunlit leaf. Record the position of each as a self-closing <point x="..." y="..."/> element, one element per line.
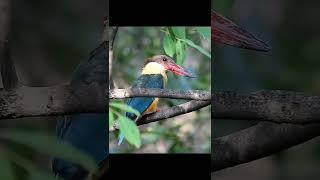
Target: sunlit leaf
<point x="168" y="46"/>
<point x="125" y="108"/>
<point x="205" y="32"/>
<point x="203" y="51"/>
<point x="130" y="131"/>
<point x="50" y="145"/>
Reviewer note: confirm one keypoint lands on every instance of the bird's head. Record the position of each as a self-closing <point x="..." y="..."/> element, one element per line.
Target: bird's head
<point x="163" y="63"/>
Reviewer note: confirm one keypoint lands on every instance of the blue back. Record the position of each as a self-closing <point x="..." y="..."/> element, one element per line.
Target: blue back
<point x="141" y="104"/>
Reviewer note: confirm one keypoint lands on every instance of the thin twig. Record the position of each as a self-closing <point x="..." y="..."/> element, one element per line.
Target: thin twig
<point x="111" y="43"/>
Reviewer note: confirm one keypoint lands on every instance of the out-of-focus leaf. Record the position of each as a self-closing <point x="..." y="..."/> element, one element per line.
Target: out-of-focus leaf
<point x="6" y="171"/>
<point x="36" y="174"/>
<point x="205" y="32"/>
<point x="179" y="32"/>
<point x="181" y="52"/>
<point x="168" y="46"/>
<point x="130" y="131"/>
<point x="125" y="108"/>
<point x="192" y="44"/>
<point x="50" y="145"/>
<point x="184" y="54"/>
<point x="171" y="34"/>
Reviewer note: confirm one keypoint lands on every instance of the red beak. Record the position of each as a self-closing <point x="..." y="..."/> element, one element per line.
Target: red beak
<point x="180" y="71"/>
<point x="227" y="32"/>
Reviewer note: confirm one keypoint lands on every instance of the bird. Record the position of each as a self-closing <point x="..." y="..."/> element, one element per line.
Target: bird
<point x="86" y="131"/>
<point x="153" y="75"/>
<point x="227" y="32"/>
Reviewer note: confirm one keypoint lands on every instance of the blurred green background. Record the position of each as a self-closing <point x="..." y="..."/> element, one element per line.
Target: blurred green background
<point x="292" y="28"/>
<point x="48" y="40"/>
<point x="181" y="134"/>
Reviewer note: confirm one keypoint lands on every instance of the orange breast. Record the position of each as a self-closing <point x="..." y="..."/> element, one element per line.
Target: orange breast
<point x="153" y="107"/>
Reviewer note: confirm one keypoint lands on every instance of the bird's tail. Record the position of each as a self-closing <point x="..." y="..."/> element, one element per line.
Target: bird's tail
<point x="121" y="137"/>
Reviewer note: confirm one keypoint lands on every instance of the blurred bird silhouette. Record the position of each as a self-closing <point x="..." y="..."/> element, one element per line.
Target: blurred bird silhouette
<point x="87" y="132"/>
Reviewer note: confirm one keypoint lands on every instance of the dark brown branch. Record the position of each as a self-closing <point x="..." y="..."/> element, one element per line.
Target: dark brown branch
<point x="55" y="100"/>
<point x="172" y="112"/>
<point x="259" y="141"/>
<point x="274" y="106"/>
<point x="165" y="93"/>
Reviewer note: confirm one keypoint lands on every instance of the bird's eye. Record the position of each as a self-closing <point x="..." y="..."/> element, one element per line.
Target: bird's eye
<point x="164" y="59"/>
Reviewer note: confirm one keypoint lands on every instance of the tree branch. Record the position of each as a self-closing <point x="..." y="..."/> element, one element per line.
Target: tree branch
<point x="171" y="112"/>
<point x="164" y="93"/>
<point x="48" y="101"/>
<point x="259" y="141"/>
<point x="275" y="106"/>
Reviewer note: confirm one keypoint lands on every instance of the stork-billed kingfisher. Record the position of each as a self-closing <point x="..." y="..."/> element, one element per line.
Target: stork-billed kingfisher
<point x="153" y="75"/>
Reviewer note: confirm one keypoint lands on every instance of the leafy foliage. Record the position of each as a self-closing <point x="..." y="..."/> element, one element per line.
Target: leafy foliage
<point x="41" y="143"/>
<point x="175" y="42"/>
<point x="126" y="126"/>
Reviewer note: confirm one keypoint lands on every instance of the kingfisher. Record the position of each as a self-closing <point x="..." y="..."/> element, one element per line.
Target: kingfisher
<point x="227" y="32"/>
<point x="153" y="75"/>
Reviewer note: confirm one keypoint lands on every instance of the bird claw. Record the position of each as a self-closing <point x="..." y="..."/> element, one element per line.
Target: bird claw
<point x="158" y="110"/>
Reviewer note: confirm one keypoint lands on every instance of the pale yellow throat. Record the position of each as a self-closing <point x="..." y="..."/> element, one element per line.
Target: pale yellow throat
<point x="155" y="68"/>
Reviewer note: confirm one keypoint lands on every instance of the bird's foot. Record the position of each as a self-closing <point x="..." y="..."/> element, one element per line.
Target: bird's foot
<point x="158" y="110"/>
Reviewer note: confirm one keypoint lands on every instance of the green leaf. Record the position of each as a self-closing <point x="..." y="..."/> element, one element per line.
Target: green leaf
<point x="130" y="131"/>
<point x="6" y="171"/>
<point x="50" y="145"/>
<point x="171" y="34"/>
<point x="179" y="32"/>
<point x="181" y="52"/>
<point x="192" y="44"/>
<point x="125" y="108"/>
<point x="168" y="46"/>
<point x="205" y="32"/>
<point x="111" y="118"/>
